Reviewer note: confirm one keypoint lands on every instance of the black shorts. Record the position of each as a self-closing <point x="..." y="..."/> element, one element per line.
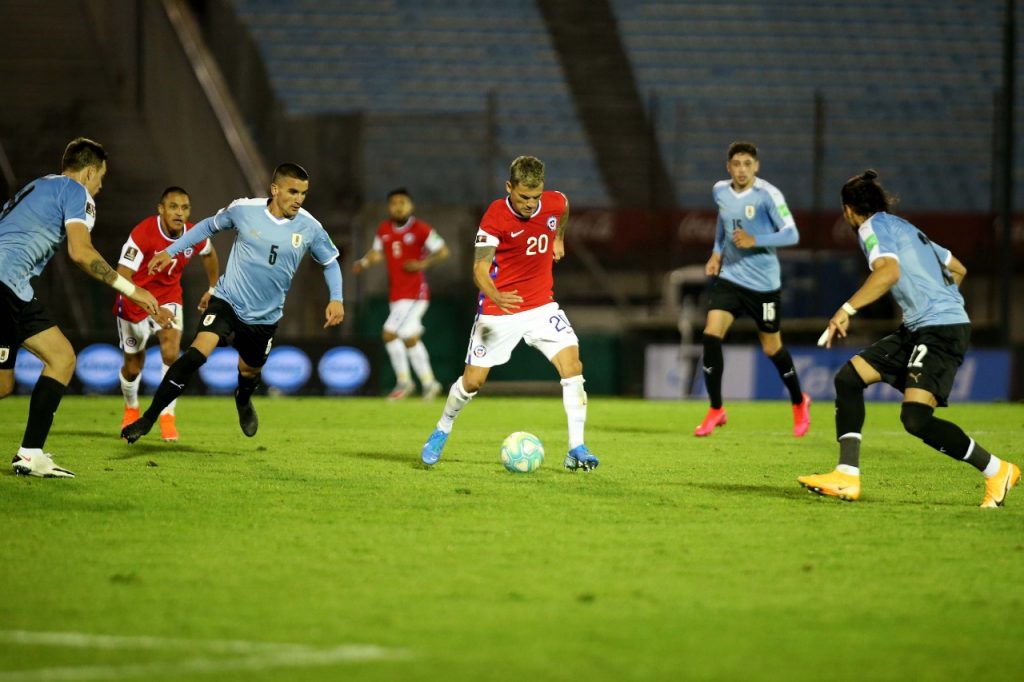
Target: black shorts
<point x="252" y="341"/>
<point x="763" y="306"/>
<point x="19" y="320"/>
<point x="927" y="358"/>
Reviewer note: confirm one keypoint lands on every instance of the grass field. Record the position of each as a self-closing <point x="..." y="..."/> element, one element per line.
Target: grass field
<point x="271" y="558"/>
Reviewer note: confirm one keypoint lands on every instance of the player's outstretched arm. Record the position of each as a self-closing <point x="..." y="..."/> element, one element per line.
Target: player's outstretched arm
<point x="335" y="312"/>
<point x="507" y="301"/>
<point x="372" y="257"/>
<point x="558" y="247"/>
<point x="211" y="264"/>
<point x="204" y="229"/>
<point x="424" y="263"/>
<point x="85" y="256"/>
<point x="885" y="274"/>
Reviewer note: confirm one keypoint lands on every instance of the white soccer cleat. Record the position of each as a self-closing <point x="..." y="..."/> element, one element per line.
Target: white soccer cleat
<point x="39" y="464"/>
<point x="402" y="391"/>
<point x="432" y="390"/>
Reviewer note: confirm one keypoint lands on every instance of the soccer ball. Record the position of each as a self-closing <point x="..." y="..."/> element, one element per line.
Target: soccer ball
<point x="522" y="452"/>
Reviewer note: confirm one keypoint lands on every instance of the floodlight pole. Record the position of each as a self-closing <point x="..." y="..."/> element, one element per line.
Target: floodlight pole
<point x="1005" y="207"/>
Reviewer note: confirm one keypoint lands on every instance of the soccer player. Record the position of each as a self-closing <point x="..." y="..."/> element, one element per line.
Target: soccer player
<point x="410" y="246"/>
<point x="920" y="359"/>
<point x="272" y="237"/>
<point x="134" y="325"/>
<point x="519" y="239"/>
<point x="32" y="226"/>
<point x="753" y="221"/>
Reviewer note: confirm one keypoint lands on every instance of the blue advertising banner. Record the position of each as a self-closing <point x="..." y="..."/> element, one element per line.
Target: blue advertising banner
<point x="220" y="372"/>
<point x="152" y="371"/>
<point x="98" y="367"/>
<point x="27" y="369"/>
<point x="344" y="370"/>
<point x="287" y="369"/>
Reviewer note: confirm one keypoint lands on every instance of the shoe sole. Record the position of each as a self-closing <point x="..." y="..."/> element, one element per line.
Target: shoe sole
<point x="25" y="471"/>
<point x="827" y="493"/>
<point x="720" y="424"/>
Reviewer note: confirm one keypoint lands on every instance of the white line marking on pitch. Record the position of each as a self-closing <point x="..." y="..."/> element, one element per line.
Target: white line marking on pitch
<point x="254" y="656"/>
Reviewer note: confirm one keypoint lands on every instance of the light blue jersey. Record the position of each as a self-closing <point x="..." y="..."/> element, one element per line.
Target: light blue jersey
<point x="32" y="227"/>
<point x="761" y="211"/>
<point x="925" y="291"/>
<point x="264" y="258"/>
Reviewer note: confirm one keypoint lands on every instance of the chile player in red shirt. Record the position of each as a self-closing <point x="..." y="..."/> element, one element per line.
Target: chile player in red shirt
<point x="134" y="325"/>
<point x="520" y="238"/>
<point x="409" y="246"/>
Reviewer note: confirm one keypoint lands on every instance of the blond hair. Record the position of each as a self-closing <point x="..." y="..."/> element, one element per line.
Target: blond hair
<point x="527" y="171"/>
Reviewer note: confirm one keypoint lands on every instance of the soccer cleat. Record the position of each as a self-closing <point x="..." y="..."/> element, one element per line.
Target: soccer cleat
<point x="168" y="431"/>
<point x="802" y="416"/>
<point x="833" y="484"/>
<point x="432" y="448"/>
<point x="130" y="415"/>
<point x="137" y="429"/>
<point x="432" y="390"/>
<point x="402" y="391"/>
<point x="39" y="464"/>
<point x="247" y="418"/>
<point x="715" y="417"/>
<point x="580" y="458"/>
<point x="997" y="486"/>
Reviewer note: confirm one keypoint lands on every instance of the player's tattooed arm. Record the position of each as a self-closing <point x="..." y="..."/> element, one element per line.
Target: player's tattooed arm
<point x="507" y="301"/>
<point x="102" y="271"/>
<point x="484" y="253"/>
<point x="562" y="222"/>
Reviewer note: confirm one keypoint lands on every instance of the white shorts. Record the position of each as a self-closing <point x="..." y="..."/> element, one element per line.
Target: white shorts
<point x="406" y="318"/>
<point x="494" y="336"/>
<point x="133" y="336"/>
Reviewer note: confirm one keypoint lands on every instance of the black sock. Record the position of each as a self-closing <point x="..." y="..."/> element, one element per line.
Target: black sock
<point x="45" y="399"/>
<point x="174" y="382"/>
<point x="246" y="387"/>
<point x="784" y="363"/>
<point x="714" y="366"/>
<point x="946" y="437"/>
<point x="849" y="414"/>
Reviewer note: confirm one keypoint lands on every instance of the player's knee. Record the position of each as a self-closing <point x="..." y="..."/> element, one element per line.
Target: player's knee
<point x="915" y="418"/>
<point x="63" y="366"/>
<point x="771" y="347"/>
<point x="847" y="380"/>
<point x="411" y="342"/>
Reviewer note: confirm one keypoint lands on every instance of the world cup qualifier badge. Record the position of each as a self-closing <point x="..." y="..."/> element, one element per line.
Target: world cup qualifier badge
<point x="552" y="223"/>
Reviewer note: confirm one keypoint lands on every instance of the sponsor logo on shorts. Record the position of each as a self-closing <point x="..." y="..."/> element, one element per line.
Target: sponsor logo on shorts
<point x="5" y="352"/>
<point x="296" y="240"/>
<point x="748" y="211"/>
<point x="479" y="351"/>
<point x="915" y="377"/>
<point x="208" y="320"/>
<point x="552" y="222"/>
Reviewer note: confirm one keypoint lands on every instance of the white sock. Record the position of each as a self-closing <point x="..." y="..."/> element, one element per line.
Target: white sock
<point x="170" y="408"/>
<point x="420" y="361"/>
<point x="575" y="400"/>
<point x="457" y="399"/>
<point x="130" y="390"/>
<point x="847" y="469"/>
<point x="399" y="360"/>
<point x="30" y="451"/>
<point x="993" y="467"/>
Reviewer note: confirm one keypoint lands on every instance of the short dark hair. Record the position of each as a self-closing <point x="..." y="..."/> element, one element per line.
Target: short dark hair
<point x="741" y="147"/>
<point x="173" y="189"/>
<point x="399" y="190"/>
<point x="290" y="170"/>
<point x="82" y="152"/>
<point x="865" y="195"/>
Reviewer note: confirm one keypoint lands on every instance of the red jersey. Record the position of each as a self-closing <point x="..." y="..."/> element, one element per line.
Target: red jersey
<point x="147" y="239"/>
<point x="524" y="249"/>
<point x="401" y="243"/>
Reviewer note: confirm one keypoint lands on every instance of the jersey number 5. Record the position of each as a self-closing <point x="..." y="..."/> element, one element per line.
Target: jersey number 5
<point x="273" y="255"/>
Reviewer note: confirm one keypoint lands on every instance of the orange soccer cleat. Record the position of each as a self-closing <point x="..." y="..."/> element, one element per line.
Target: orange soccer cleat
<point x="997" y="486"/>
<point x="168" y="431"/>
<point x="715" y="417"/>
<point x="833" y="484"/>
<point x="130" y="414"/>
<point x="802" y="416"/>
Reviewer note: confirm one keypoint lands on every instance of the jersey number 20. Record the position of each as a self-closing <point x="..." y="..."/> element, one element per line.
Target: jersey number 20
<point x="535" y="245"/>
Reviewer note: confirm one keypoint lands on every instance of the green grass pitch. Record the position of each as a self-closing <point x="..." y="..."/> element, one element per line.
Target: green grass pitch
<point x="227" y="558"/>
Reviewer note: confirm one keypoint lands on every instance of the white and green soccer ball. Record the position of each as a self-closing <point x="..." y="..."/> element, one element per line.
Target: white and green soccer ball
<point x="522" y="452"/>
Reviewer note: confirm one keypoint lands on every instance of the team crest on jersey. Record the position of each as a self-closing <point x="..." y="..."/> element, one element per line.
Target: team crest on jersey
<point x="208" y="320"/>
<point x="296" y="239"/>
<point x="90" y="209"/>
<point x="748" y="211"/>
<point x="479" y="351"/>
<point x="5" y="352"/>
<point x="552" y="223"/>
<point x="409" y="238"/>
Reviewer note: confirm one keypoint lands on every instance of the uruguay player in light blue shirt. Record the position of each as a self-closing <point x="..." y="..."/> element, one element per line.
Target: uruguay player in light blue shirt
<point x="273" y="235"/>
<point x="920" y="359"/>
<point x="32" y="226"/>
<point x="753" y="221"/>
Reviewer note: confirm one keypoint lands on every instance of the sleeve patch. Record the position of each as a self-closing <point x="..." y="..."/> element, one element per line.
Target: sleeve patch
<point x="871" y="243"/>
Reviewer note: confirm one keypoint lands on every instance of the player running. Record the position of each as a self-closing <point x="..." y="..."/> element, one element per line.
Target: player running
<point x="134" y="325"/>
<point x="32" y="226"/>
<point x="272" y="237"/>
<point x="753" y="221"/>
<point x="410" y="246"/>
<point x="519" y="239"/>
<point x="920" y="359"/>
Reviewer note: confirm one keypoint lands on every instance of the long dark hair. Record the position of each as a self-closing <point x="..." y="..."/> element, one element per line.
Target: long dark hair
<point x="865" y="195"/>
